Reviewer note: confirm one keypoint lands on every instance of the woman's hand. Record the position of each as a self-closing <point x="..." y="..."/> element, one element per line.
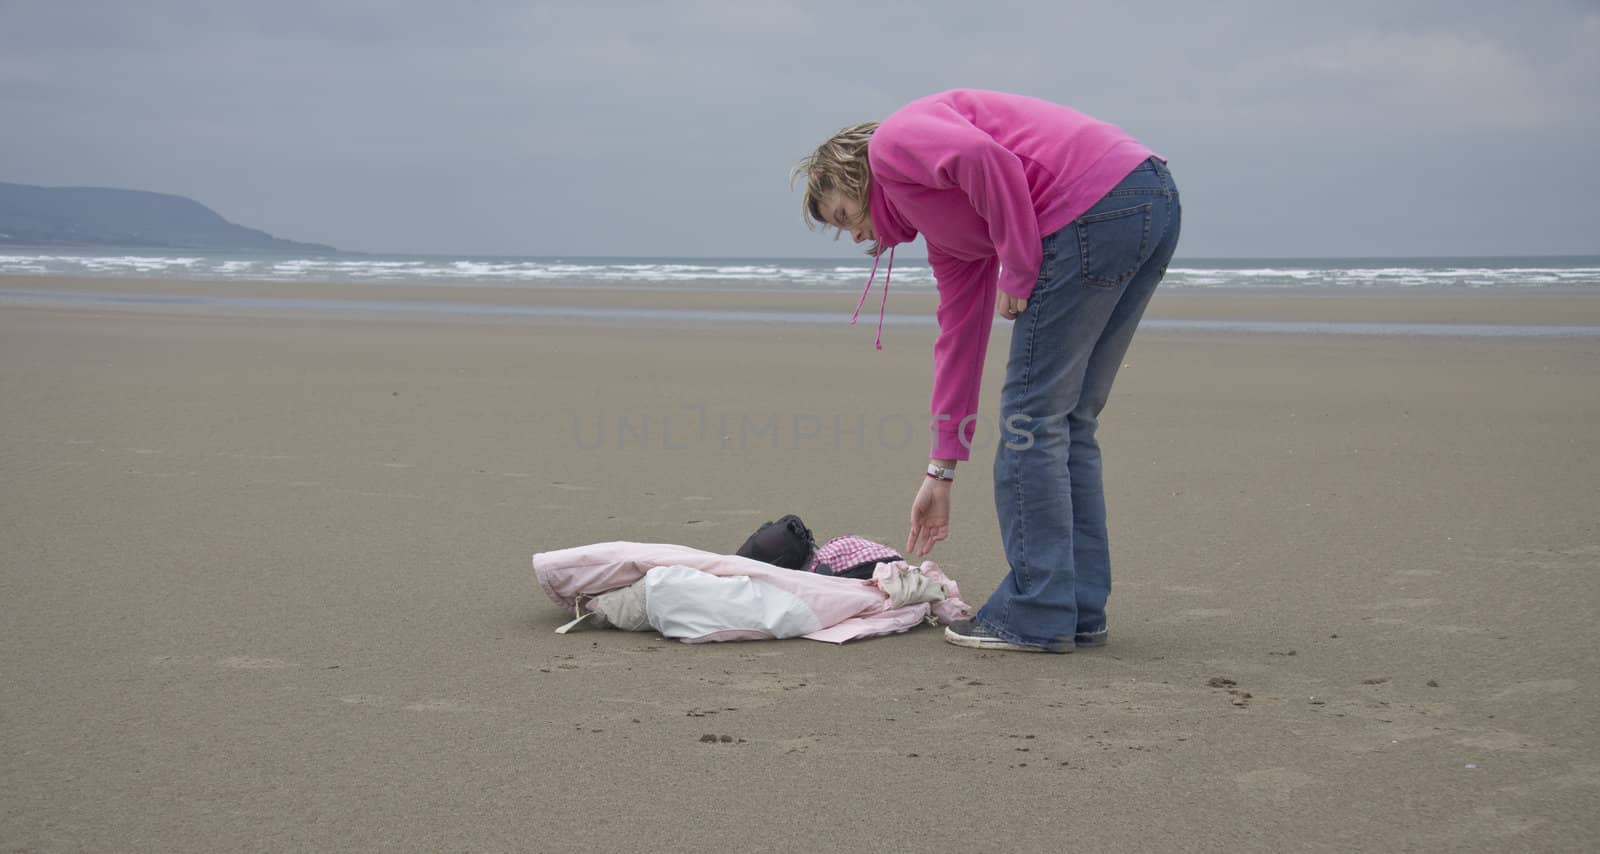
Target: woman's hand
<point x="1008" y="306"/>
<point x="930" y="517"/>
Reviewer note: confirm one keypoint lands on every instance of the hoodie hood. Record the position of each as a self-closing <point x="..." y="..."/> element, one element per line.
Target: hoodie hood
<point x="886" y="221"/>
<point x="891" y="231"/>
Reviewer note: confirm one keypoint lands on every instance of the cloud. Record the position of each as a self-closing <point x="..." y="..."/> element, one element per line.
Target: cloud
<point x="1441" y="79"/>
<point x="668" y="127"/>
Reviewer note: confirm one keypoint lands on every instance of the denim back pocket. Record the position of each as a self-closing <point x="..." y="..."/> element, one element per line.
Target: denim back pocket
<point x="1114" y="244"/>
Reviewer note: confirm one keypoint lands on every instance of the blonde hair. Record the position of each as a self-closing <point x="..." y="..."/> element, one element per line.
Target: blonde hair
<point x="839" y="164"/>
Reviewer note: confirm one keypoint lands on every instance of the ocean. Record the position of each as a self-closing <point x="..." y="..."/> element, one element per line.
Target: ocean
<point x="1445" y="273"/>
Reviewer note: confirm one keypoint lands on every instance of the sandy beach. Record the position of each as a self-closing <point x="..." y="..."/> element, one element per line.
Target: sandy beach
<point x="266" y="582"/>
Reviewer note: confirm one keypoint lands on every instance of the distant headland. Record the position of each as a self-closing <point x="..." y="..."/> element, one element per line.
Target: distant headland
<point x="104" y="217"/>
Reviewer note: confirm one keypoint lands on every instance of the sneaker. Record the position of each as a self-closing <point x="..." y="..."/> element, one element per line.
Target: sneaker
<point x="969" y="633"/>
<point x="1090" y="640"/>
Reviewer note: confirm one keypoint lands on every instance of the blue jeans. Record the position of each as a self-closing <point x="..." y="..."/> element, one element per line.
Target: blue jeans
<point x="1097" y="277"/>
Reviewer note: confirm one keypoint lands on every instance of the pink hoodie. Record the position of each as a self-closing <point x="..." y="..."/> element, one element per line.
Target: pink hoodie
<point x="984" y="176"/>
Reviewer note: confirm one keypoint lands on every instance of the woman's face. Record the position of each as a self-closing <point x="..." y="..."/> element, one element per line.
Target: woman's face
<point x="847" y="215"/>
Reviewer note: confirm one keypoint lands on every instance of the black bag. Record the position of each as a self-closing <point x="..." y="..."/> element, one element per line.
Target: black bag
<point x="786" y="543"/>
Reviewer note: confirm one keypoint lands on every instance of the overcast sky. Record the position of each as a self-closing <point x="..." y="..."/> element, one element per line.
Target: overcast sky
<point x="521" y="127"/>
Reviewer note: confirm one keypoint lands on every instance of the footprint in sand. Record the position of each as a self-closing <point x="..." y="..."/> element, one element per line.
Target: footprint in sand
<point x="169" y="660"/>
<point x="242" y="662"/>
<point x="1441" y="628"/>
<point x="1486" y="822"/>
<point x="402" y="495"/>
<point x="1580" y="777"/>
<point x="449" y="706"/>
<point x="1540" y="688"/>
<point x="1498" y="741"/>
<point x="1273" y="782"/>
<point x="1447" y="629"/>
<point x="429" y="705"/>
<point x="1403" y="603"/>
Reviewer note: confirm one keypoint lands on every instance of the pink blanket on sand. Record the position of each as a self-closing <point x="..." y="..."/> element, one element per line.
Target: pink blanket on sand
<point x="727" y="597"/>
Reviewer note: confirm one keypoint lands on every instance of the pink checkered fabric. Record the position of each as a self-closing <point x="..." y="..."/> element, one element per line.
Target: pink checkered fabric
<point x="841" y="553"/>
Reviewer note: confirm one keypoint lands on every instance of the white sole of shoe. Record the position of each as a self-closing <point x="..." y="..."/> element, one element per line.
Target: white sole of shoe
<point x="988" y="643"/>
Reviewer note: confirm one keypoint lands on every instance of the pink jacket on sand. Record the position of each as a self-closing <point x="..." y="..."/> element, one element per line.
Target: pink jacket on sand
<point x="984" y="177"/>
<point x="765" y="601"/>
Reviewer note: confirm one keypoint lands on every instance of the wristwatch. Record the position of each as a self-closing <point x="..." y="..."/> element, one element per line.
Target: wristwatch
<point x="938" y="472"/>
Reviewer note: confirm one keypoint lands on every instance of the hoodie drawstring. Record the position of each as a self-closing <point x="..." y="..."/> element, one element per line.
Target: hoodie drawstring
<point x="884" y="307"/>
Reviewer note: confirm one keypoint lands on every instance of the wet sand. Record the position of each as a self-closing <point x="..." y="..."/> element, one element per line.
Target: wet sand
<point x="266" y="583"/>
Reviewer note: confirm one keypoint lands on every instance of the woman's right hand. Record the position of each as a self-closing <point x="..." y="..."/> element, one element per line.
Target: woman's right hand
<point x="930" y="517"/>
